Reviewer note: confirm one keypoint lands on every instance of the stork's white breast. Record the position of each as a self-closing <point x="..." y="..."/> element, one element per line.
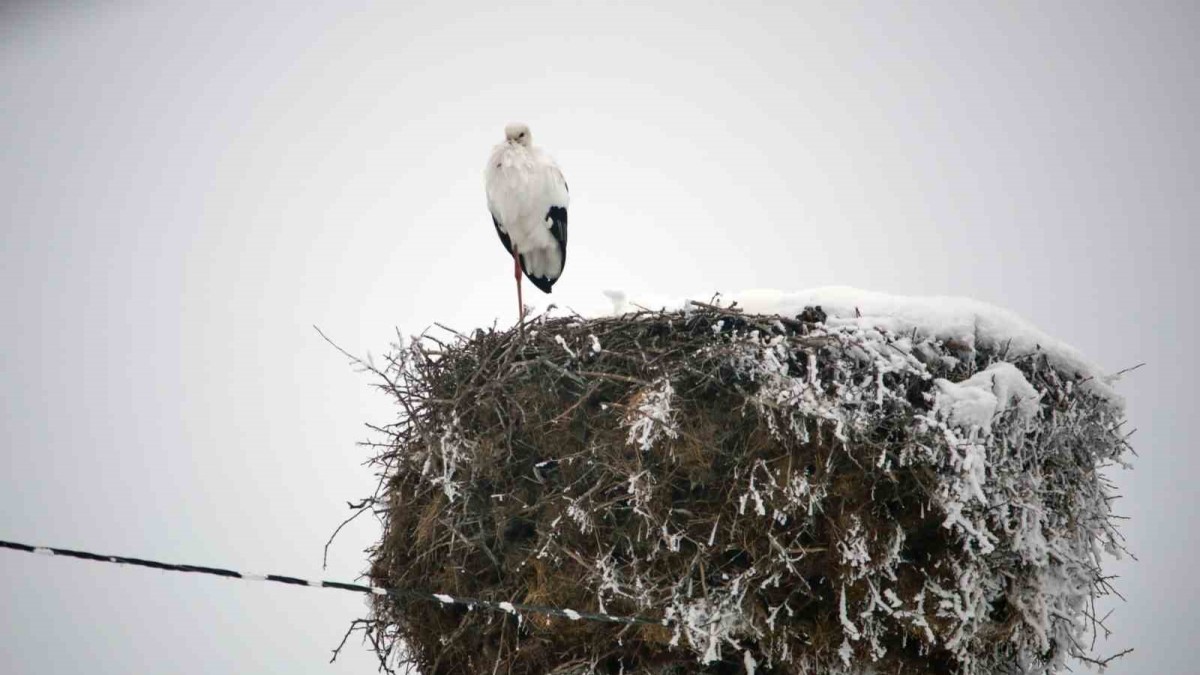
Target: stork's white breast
<point x="522" y="184"/>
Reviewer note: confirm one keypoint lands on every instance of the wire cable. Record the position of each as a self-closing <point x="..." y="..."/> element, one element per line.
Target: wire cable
<point x="514" y="608"/>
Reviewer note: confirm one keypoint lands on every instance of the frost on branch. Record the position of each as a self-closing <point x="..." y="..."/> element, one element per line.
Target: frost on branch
<point x="789" y="493"/>
<point x="650" y="415"/>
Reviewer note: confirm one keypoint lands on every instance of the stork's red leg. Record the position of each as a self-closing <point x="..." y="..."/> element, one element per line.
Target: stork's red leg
<point x="517" y="275"/>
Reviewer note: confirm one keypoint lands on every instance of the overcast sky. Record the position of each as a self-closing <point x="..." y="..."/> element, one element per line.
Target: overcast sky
<point x="189" y="187"/>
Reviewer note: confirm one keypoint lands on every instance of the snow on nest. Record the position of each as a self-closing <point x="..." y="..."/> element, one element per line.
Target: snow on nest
<point x="973" y="403"/>
<point x="970" y="323"/>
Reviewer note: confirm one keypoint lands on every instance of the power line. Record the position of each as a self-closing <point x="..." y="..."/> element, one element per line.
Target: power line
<point x="514" y="608"/>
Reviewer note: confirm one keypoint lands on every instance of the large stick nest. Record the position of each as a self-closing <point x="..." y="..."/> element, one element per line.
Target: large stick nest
<point x="785" y="494"/>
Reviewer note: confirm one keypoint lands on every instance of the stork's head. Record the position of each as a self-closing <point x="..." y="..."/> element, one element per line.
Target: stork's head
<point x="518" y="133"/>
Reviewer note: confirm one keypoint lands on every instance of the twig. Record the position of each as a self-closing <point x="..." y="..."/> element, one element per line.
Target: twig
<point x="360" y="509"/>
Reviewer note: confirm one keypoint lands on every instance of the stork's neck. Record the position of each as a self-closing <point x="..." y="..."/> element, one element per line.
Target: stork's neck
<point x="511" y="154"/>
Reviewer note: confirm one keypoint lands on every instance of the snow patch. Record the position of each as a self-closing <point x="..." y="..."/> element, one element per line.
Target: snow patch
<point x="965" y="322"/>
<point x="973" y="403"/>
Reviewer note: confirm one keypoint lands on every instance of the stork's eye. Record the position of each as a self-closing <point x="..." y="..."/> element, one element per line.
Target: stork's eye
<point x="521" y="135"/>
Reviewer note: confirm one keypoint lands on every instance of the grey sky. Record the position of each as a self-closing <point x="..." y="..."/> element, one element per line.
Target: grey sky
<point x="188" y="187"/>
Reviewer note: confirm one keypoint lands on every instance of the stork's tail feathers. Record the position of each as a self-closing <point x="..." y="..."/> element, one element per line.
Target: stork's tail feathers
<point x="544" y="284"/>
<point x="541" y="282"/>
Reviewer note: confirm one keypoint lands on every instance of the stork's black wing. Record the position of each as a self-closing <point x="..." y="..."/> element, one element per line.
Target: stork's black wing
<point x="557" y="215"/>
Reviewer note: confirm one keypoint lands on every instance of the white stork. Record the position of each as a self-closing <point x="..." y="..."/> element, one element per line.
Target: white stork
<point x="528" y="198"/>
